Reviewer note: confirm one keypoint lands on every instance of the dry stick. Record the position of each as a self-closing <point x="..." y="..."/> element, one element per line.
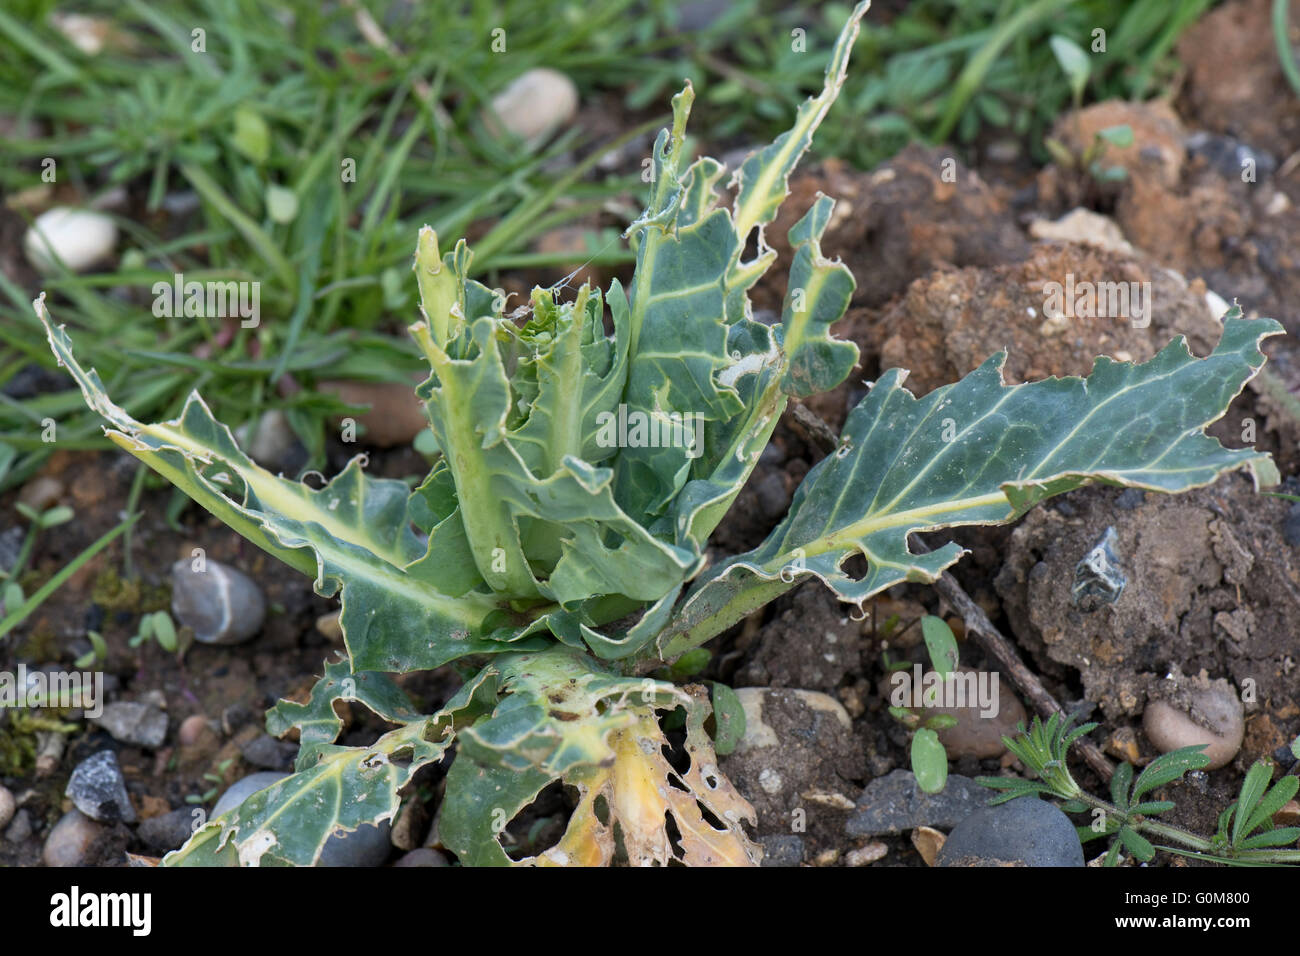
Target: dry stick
<point x="813" y="429"/>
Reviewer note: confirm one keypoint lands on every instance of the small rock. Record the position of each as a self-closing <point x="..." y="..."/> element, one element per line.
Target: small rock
<point x="865" y="855"/>
<point x="1291" y="526"/>
<point x="328" y="624"/>
<point x="222" y="605"/>
<point x="773" y="498"/>
<point x="928" y="842"/>
<point x="273" y="444"/>
<point x="169" y="831"/>
<point x="396" y="415"/>
<point x="192" y="727"/>
<point x="1229" y="156"/>
<point x="982" y="718"/>
<point x="133" y="722"/>
<point x="535" y="104"/>
<point x="366" y="846"/>
<point x="41" y="493"/>
<point x="1098" y="577"/>
<point x="98" y="790"/>
<point x="270" y="754"/>
<point x="1025" y="831"/>
<point x="78" y="237"/>
<point x="894" y="804"/>
<point x="11" y="545"/>
<point x="21" y="828"/>
<point x="1082" y="225"/>
<point x="1289" y="815"/>
<point x="1191" y="711"/>
<point x="7" y="807"/>
<point x="422" y="857"/>
<point x="782" y="849"/>
<point x="70" y="840"/>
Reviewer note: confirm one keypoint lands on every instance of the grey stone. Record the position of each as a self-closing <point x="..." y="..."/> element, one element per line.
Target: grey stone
<point x="782" y="849"/>
<point x="134" y="722"/>
<point x="7" y="807"/>
<point x="268" y="753"/>
<point x="423" y="856"/>
<point x="895" y="804"/>
<point x="168" y="831"/>
<point x="366" y="846"/>
<point x="11" y="543"/>
<point x="222" y="605"/>
<point x="98" y="790"/>
<point x="21" y="827"/>
<point x="71" y="839"/>
<point x="1025" y="831"/>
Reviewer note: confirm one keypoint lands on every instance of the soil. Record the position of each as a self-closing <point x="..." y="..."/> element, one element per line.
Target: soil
<point x="948" y="271"/>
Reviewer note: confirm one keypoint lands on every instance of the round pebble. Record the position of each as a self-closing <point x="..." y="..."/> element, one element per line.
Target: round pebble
<point x="422" y="857"/>
<point x="7" y="807"/>
<point x="1216" y="720"/>
<point x="222" y="605"/>
<point x="41" y="493"/>
<point x="78" y="237"/>
<point x="192" y="728"/>
<point x="535" y="104"/>
<point x="1025" y="831"/>
<point x="70" y="840"/>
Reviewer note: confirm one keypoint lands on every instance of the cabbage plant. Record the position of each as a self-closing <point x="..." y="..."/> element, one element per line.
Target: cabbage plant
<point x="556" y="551"/>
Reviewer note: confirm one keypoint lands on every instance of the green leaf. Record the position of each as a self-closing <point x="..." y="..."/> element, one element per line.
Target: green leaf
<point x="929" y="761"/>
<point x="1136" y="844"/>
<point x="1273" y="801"/>
<point x="896" y="472"/>
<point x="354" y="534"/>
<point x="335" y="789"/>
<point x="728" y="718"/>
<point x="1119" y="784"/>
<point x="1074" y="63"/>
<point x="940" y="643"/>
<point x="1121" y="136"/>
<point x="1252" y="790"/>
<point x="165" y="631"/>
<point x="252" y="137"/>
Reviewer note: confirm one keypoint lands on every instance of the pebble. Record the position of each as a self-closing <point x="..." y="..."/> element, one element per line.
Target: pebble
<point x="773" y="498"/>
<point x="133" y="722"/>
<point x="866" y="855"/>
<point x="21" y="828"/>
<point x="328" y="624"/>
<point x="974" y="734"/>
<point x="1085" y="226"/>
<point x="395" y="417"/>
<point x="7" y="807"/>
<point x="192" y="728"/>
<point x="98" y="790"/>
<point x="366" y="846"/>
<point x="1291" y="526"/>
<point x="535" y="104"/>
<point x="422" y="857"/>
<point x="11" y="545"/>
<point x="1211" y="714"/>
<point x="41" y="493"/>
<point x="894" y="804"/>
<point x="79" y="237"/>
<point x="169" y="831"/>
<point x="268" y="753"/>
<point x="1025" y="831"/>
<point x="782" y="849"/>
<point x="273" y="444"/>
<point x="928" y="842"/>
<point x="70" y="840"/>
<point x="222" y="605"/>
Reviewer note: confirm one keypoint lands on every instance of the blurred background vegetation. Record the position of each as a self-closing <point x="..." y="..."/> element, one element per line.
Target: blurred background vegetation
<point x="225" y="164"/>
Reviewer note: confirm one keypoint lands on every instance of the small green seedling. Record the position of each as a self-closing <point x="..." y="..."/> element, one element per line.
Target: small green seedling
<point x="159" y="627"/>
<point x="929" y="758"/>
<point x="97" y="654"/>
<point x="1246" y="833"/>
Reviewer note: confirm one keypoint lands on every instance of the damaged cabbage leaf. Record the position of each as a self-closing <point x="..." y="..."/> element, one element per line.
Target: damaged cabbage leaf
<point x="981" y="452"/>
<point x="560" y="718"/>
